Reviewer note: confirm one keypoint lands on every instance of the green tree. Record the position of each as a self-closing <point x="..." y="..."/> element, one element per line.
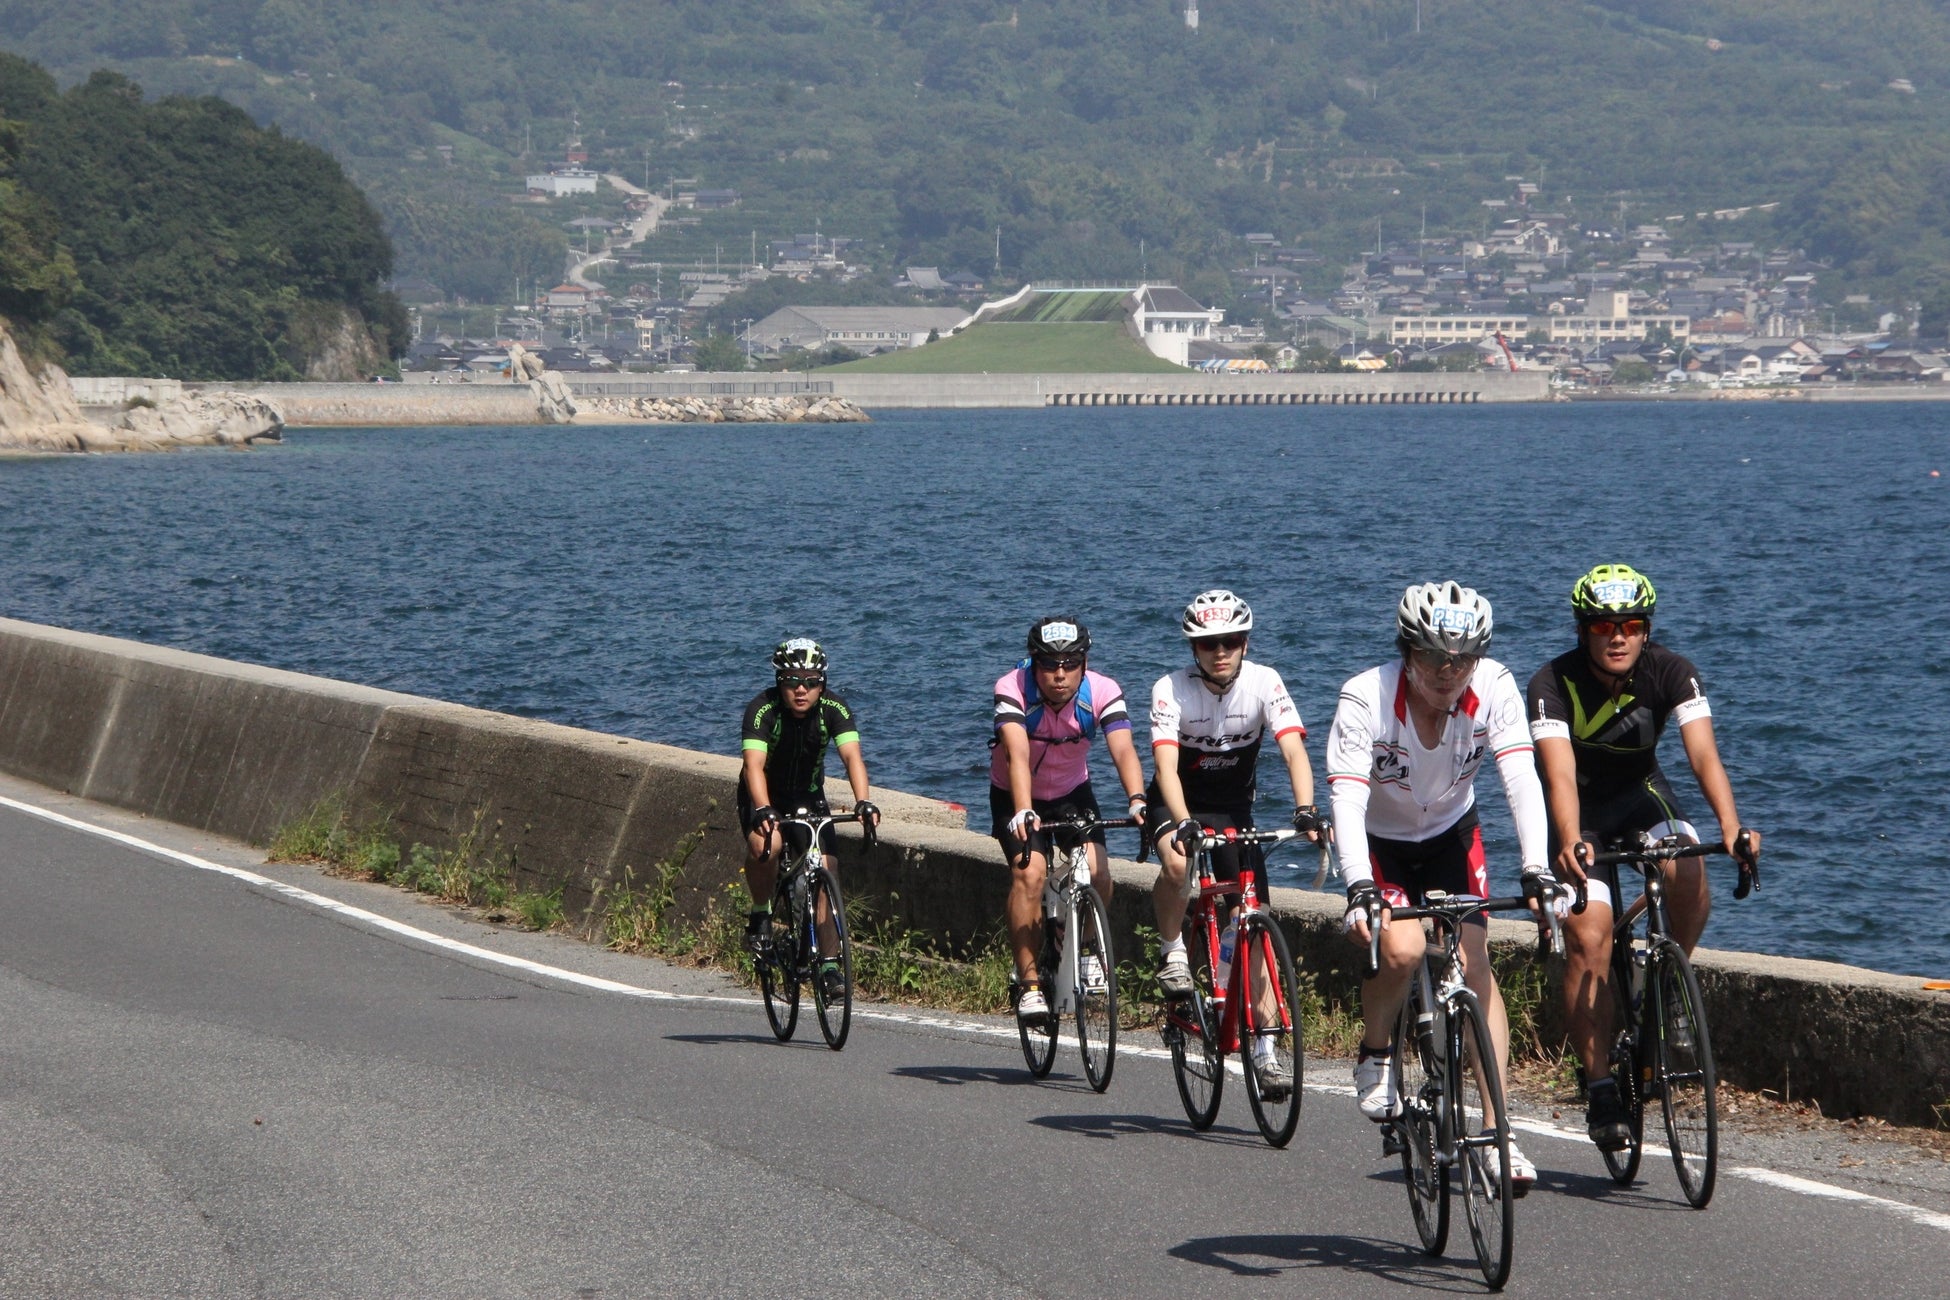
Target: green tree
<point x="719" y="352"/>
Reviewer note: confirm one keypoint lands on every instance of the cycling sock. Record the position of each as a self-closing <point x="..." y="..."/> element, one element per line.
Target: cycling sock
<point x="756" y="918"/>
<point x="1170" y="946"/>
<point x="1377" y="1053"/>
<point x="1263" y="1045"/>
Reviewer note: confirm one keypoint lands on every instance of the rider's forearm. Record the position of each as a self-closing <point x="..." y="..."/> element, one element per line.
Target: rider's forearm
<point x="1349" y="800"/>
<point x="1022" y="781"/>
<point x="755" y="783"/>
<point x="1704" y="755"/>
<point x="1164" y="768"/>
<point x="1123" y="754"/>
<point x="1299" y="769"/>
<point x="1525" y="795"/>
<point x="856" y="771"/>
<point x="1560" y="765"/>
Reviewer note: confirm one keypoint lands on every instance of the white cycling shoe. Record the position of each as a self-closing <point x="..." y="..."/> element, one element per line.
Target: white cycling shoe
<point x="1374" y="1088"/>
<point x="1522" y="1172"/>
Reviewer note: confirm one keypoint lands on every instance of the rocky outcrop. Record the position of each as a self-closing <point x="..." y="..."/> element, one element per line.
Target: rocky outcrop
<point x="552" y="397"/>
<point x="37" y="405"/>
<point x="38" y="412"/>
<point x="727" y="410"/>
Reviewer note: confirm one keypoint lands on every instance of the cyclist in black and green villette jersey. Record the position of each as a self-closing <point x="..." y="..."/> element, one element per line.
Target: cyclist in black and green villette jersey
<point x="786" y="730"/>
<point x="1596" y="714"/>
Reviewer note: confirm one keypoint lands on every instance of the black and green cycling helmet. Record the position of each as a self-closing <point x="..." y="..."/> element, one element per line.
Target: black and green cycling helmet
<point x="1613" y="590"/>
<point x="799" y="654"/>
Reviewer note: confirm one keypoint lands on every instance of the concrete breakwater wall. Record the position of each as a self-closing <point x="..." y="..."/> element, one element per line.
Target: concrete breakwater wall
<point x="243" y="750"/>
<point x="362" y="405"/>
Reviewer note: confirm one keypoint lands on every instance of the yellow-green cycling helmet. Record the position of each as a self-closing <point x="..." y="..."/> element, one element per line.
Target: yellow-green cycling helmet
<point x="1613" y="589"/>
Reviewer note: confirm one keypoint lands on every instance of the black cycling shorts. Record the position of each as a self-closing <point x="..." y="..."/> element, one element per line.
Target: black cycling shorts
<point x="1451" y="861"/>
<point x="1002" y="807"/>
<point x="1225" y="862"/>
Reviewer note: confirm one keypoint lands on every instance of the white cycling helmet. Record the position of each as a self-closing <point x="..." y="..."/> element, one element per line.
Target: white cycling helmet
<point x="1444" y="616"/>
<point x="1216" y="613"/>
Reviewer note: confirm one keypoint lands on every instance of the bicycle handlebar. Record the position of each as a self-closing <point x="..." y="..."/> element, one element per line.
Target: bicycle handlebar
<point x="1221" y="839"/>
<point x="1646" y="856"/>
<point x="1550" y="931"/>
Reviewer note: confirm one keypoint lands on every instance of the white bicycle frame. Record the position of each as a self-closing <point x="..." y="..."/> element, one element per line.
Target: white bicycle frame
<point x="1069" y="870"/>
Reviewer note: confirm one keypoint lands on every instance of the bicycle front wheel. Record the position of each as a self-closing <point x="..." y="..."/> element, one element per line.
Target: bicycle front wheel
<point x="835" y="1004"/>
<point x="1683" y="1073"/>
<point x="1192" y="1030"/>
<point x="1039" y="1035"/>
<point x="1489" y="1200"/>
<point x="1096" y="990"/>
<point x="1272" y="1019"/>
<point x="1421" y="1083"/>
<point x="778" y="975"/>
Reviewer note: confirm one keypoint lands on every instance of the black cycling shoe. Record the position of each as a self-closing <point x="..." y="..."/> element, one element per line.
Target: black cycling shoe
<point x="832" y="981"/>
<point x="1606" y="1119"/>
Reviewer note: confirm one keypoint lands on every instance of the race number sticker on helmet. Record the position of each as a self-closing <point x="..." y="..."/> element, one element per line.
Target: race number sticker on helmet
<point x="1446" y="617"/>
<point x="1058" y="632"/>
<point x="1216" y="613"/>
<point x="799" y="652"/>
<point x="1613" y="589"/>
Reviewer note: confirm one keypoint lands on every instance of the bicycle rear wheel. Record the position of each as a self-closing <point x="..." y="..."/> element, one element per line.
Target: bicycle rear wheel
<point x="1276" y="1108"/>
<point x="1420" y="1081"/>
<point x="1489" y="1200"/>
<point x="1096" y="990"/>
<point x="1623" y="1164"/>
<point x="835" y="1009"/>
<point x="1192" y="1029"/>
<point x="778" y="977"/>
<point x="1039" y="1036"/>
<point x="1683" y="1072"/>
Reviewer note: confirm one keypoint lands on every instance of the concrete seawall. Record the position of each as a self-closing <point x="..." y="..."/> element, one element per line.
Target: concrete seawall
<point x="243" y="750"/>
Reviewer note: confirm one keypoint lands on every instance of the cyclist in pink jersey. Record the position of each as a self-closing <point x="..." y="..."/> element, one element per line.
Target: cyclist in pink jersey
<point x="1047" y="709"/>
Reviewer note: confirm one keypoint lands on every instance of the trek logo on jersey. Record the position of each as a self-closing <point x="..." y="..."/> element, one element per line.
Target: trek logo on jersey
<point x="1453" y="618"/>
<point x="1618" y="591"/>
<point x="1224" y="740"/>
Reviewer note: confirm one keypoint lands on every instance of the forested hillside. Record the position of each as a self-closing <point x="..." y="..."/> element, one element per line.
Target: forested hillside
<point x="178" y="238"/>
<point x="1097" y="136"/>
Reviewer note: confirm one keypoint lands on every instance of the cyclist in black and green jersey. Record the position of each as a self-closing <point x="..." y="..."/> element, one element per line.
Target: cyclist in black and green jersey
<point x="786" y="730"/>
<point x="1596" y="714"/>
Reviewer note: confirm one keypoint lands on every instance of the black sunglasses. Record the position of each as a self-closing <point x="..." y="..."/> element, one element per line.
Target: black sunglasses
<point x="1059" y="663"/>
<point x="793" y="683"/>
<point x="1219" y="643"/>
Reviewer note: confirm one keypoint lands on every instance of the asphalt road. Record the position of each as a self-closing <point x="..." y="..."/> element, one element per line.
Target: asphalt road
<point x="211" y="1086"/>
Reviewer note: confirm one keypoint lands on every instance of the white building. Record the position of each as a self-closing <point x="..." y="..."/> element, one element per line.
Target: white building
<point x="566" y="180"/>
<point x="1168" y="319"/>
<point x="863" y="329"/>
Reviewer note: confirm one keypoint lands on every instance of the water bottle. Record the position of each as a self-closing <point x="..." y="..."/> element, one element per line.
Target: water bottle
<point x="1220" y="976"/>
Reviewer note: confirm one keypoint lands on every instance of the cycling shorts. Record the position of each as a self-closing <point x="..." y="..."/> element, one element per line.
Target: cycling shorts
<point x="1002" y="806"/>
<point x="1452" y="862"/>
<point x="796" y="837"/>
<point x="1647" y="806"/>
<point x="1226" y="862"/>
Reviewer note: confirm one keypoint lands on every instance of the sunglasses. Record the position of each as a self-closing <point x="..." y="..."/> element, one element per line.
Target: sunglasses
<point x="1434" y="659"/>
<point x="1060" y="663"/>
<point x="1611" y="627"/>
<point x="1220" y="643"/>
<point x="794" y="683"/>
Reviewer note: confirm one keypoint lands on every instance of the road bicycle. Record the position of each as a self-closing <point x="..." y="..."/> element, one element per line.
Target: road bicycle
<point x="1239" y="995"/>
<point x="1452" y="1112"/>
<point x="1076" y="965"/>
<point x="1662" y="1048"/>
<point x="805" y="900"/>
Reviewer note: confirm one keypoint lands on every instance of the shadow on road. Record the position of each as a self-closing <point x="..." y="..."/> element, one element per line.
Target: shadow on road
<point x="1600" y="1187"/>
<point x="719" y="1040"/>
<point x="956" y="1075"/>
<point x="1116" y="1126"/>
<point x="1270" y="1255"/>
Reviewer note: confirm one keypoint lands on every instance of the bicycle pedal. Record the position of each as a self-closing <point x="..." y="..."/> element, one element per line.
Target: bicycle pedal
<point x="1391" y="1141"/>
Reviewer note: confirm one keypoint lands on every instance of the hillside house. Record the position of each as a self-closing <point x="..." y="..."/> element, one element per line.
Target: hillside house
<point x="1167" y="319"/>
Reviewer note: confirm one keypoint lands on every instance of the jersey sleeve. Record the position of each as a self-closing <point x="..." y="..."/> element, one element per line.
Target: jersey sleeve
<point x="1113" y="711"/>
<point x="1549" y="719"/>
<point x="1280" y="713"/>
<point x="755" y="731"/>
<point x="1009" y="705"/>
<point x="1683" y="689"/>
<point x="1350" y="739"/>
<point x="1503" y="710"/>
<point x="1165" y="713"/>
<point x="841" y="725"/>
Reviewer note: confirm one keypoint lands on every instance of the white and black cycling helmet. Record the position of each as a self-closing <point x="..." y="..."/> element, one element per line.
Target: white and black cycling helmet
<point x="1217" y="613"/>
<point x="1059" y="634"/>
<point x="800" y="653"/>
<point x="1443" y="616"/>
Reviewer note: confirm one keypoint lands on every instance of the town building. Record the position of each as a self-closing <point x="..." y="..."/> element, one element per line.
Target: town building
<point x="1168" y="319"/>
<point x="863" y="329"/>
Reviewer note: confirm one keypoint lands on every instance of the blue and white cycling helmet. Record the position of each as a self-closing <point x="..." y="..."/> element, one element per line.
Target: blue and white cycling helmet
<point x="1446" y="617"/>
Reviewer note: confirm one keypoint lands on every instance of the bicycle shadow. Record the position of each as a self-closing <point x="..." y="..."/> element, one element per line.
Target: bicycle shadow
<point x="1394" y="1261"/>
<point x="1600" y="1187"/>
<point x="1111" y="1127"/>
<point x="962" y="1075"/>
<point x="739" y="1040"/>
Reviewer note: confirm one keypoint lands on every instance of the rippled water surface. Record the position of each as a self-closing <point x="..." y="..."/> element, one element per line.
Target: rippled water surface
<point x="634" y="580"/>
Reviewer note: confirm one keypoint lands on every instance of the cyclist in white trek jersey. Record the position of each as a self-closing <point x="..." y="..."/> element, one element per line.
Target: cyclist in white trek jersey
<point x="1402" y="757"/>
<point x="1207" y="723"/>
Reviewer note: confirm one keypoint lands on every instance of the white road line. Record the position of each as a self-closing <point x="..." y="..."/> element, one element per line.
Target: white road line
<point x="1772" y="1178"/>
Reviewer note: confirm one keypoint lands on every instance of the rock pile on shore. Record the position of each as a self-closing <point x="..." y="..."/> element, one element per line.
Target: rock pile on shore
<point x="727" y="410"/>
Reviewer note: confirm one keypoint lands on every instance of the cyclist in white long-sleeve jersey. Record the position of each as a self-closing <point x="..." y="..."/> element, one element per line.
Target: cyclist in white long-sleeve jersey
<point x="1402" y="756"/>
